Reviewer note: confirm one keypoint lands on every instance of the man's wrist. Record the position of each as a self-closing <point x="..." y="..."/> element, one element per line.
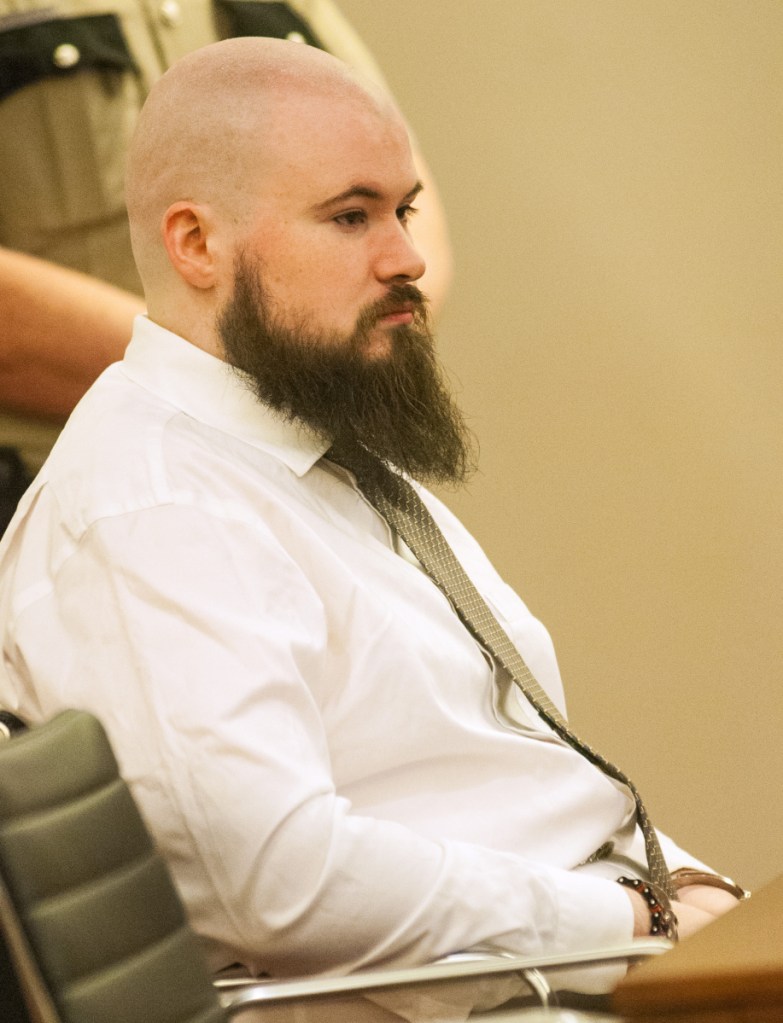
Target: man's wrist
<point x="661" y="922"/>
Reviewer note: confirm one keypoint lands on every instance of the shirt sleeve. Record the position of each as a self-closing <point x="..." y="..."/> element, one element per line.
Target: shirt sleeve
<point x="195" y="640"/>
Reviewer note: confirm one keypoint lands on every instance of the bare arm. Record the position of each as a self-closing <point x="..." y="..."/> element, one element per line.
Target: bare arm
<point x="58" y="330"/>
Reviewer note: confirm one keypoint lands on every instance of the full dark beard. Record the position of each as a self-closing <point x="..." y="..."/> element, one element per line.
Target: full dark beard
<point x="395" y="405"/>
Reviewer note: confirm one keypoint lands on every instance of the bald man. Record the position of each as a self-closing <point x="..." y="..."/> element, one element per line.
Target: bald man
<point x="69" y="289"/>
<point x="337" y="773"/>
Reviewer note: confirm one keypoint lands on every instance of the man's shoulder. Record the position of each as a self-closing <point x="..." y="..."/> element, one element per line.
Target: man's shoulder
<point x="126" y="449"/>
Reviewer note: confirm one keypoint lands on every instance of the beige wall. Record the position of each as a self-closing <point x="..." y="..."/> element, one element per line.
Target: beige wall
<point x="613" y="172"/>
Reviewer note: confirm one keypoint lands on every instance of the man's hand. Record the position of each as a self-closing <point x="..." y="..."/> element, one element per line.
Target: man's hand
<point x="698" y="906"/>
<point x="714" y="901"/>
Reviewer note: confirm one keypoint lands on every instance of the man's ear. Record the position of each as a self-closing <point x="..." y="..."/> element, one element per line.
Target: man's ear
<point x="189" y="235"/>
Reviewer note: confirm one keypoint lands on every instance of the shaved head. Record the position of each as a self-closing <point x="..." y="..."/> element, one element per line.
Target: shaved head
<point x="270" y="192"/>
<point x="215" y="122"/>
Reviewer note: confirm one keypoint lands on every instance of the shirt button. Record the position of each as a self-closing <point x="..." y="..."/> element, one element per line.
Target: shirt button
<point x="296" y="37"/>
<point x="170" y="13"/>
<point x="66" y="55"/>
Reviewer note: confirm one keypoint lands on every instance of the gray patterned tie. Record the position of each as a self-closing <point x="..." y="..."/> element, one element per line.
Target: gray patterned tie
<point x="399" y="503"/>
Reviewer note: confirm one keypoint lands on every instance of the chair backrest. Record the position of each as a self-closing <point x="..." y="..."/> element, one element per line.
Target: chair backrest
<point x="95" y="927"/>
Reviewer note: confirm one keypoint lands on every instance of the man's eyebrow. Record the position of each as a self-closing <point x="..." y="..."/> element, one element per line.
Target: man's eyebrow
<point x="363" y="192"/>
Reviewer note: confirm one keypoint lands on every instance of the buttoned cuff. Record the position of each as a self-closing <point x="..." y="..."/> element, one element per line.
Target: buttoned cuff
<point x="592" y="912"/>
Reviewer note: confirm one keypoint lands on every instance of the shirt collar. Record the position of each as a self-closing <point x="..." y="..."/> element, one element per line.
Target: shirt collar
<point x="209" y="390"/>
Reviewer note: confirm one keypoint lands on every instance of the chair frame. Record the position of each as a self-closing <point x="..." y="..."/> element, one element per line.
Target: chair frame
<point x="34" y="990"/>
<point x="239" y="994"/>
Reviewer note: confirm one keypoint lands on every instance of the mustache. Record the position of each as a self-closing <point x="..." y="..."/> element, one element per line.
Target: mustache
<point x="399" y="296"/>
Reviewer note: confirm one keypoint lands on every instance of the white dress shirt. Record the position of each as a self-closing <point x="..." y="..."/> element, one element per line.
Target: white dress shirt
<point x="314" y="738"/>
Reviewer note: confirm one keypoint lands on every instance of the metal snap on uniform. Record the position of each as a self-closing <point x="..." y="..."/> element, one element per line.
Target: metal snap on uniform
<point x="66" y="55"/>
<point x="170" y="13"/>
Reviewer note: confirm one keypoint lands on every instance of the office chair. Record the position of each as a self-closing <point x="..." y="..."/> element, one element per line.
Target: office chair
<point x="95" y="929"/>
<point x="90" y="914"/>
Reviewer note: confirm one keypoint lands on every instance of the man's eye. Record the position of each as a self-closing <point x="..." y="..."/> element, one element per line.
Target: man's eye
<point x="353" y="218"/>
<point x="404" y="213"/>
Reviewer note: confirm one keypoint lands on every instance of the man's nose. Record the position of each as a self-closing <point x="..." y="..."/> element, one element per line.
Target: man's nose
<point x="398" y="258"/>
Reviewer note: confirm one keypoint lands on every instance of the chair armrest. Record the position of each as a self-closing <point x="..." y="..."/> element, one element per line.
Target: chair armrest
<point x="240" y="993"/>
